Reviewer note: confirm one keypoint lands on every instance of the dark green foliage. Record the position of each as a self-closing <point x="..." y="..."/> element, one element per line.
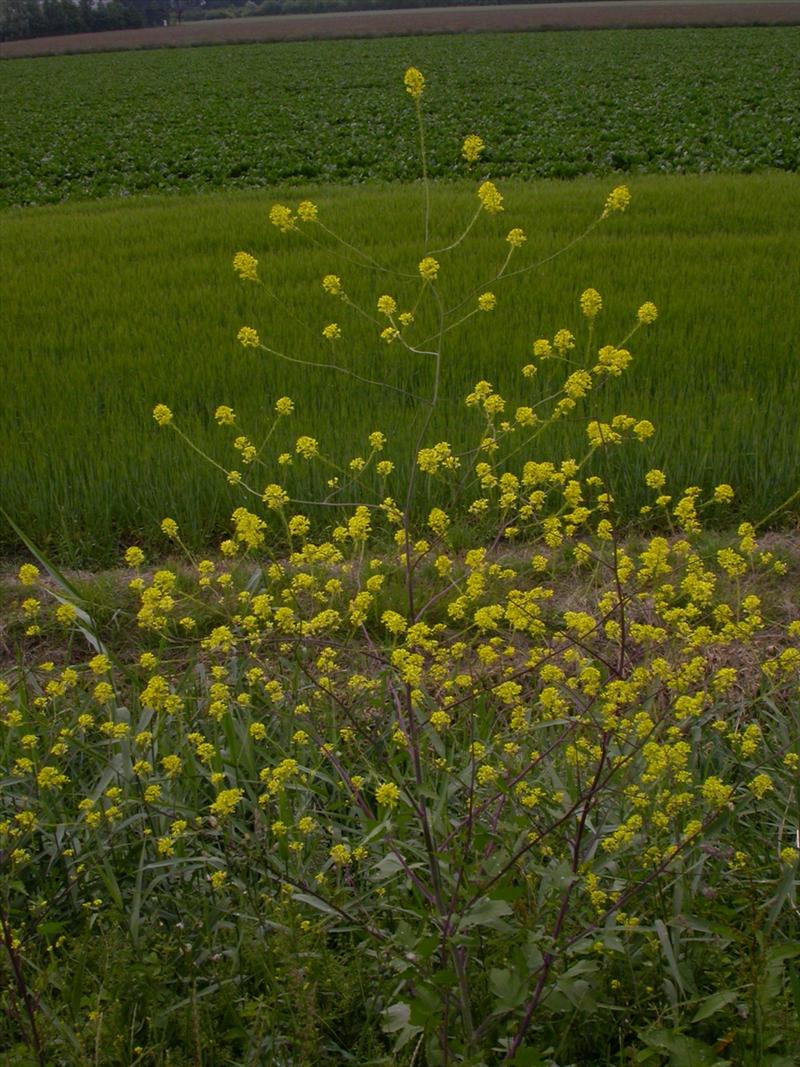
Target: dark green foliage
<point x="548" y="105"/>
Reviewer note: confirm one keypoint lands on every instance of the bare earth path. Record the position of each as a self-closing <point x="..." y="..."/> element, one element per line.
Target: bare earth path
<point x="603" y="14"/>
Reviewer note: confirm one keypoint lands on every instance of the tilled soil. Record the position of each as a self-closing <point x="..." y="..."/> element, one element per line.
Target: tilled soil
<point x="594" y="14"/>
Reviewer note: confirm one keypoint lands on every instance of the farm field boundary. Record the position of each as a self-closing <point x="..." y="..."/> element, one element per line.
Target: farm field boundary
<point x="613" y="14"/>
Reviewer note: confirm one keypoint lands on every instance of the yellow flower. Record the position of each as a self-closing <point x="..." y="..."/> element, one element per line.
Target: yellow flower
<point x="490" y="198"/>
<point x="760" y="785"/>
<point x="50" y="778"/>
<point x="275" y="496"/>
<point x="66" y="614"/>
<point x="472" y="148"/>
<point x="307" y="447"/>
<point x="246" y="266"/>
<point x="225" y="416"/>
<point x="284" y="405"/>
<point x="429" y="268"/>
<point x="487" y="302"/>
<point x="282" y="217"/>
<point x="27" y="574"/>
<point x="617" y="200"/>
<point x="563" y="341"/>
<point x="331" y="332"/>
<point x="516" y="237"/>
<point x="723" y="494"/>
<point x="162" y="414"/>
<point x="341" y="855"/>
<point x="414" y="81"/>
<point x="647" y="313"/>
<point x="332" y="284"/>
<point x="387" y="305"/>
<point x="171" y="765"/>
<point x="169" y="527"/>
<point x="248" y="337"/>
<point x="226" y="802"/>
<point x="307" y="211"/>
<point x="134" y="557"/>
<point x="591" y="303"/>
<point x="387" y="794"/>
<point x="390" y="334"/>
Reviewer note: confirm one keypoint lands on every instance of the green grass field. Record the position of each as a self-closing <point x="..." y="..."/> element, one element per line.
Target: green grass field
<point x="111" y="308"/>
<point x="548" y="105"/>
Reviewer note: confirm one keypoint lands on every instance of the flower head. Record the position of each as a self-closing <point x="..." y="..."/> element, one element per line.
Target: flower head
<point x="332" y="284"/>
<point x="617" y="200"/>
<point x="429" y="268"/>
<point x="647" y="313"/>
<point x="282" y="217"/>
<point x="307" y="447"/>
<point x="472" y="148"/>
<point x="387" y="305"/>
<point x="387" y="794"/>
<point x="28" y="573"/>
<point x="490" y="197"/>
<point x="162" y="414"/>
<point x="591" y="303"/>
<point x="331" y="332"/>
<point x="414" y="81"/>
<point x="487" y="302"/>
<point x="516" y="237"/>
<point x="246" y="266"/>
<point x="248" y="337"/>
<point x="307" y="211"/>
<point x="225" y="416"/>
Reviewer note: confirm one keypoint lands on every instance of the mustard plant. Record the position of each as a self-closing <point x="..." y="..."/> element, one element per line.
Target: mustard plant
<point x="484" y="744"/>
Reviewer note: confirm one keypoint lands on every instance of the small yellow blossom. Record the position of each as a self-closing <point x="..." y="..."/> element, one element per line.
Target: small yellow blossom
<point x="591" y="303"/>
<point x="387" y="794"/>
<point x="246" y="266"/>
<point x="414" y="81"/>
<point x="490" y="198"/>
<point x="647" y="313"/>
<point x="617" y="200"/>
<point x="472" y="147"/>
<point x="429" y="268"/>
<point x="162" y="414"/>
<point x="248" y="337"/>
<point x="307" y="211"/>
<point x="282" y="217"/>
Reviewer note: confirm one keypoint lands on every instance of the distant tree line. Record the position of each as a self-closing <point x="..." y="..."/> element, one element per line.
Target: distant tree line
<point x="42" y="18"/>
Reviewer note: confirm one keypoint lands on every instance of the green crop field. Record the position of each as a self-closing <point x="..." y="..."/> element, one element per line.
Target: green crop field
<point x="111" y="308"/>
<point x="548" y="105"/>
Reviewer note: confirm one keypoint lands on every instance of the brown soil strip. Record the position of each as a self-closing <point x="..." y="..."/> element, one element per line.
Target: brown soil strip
<point x="546" y="16"/>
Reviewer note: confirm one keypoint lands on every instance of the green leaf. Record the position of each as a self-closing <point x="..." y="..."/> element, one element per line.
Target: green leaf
<point x="509" y="987"/>
<point x="711" y="1005"/>
<point x="397" y="1021"/>
<point x="486" y="912"/>
<point x="683" y="1051"/>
